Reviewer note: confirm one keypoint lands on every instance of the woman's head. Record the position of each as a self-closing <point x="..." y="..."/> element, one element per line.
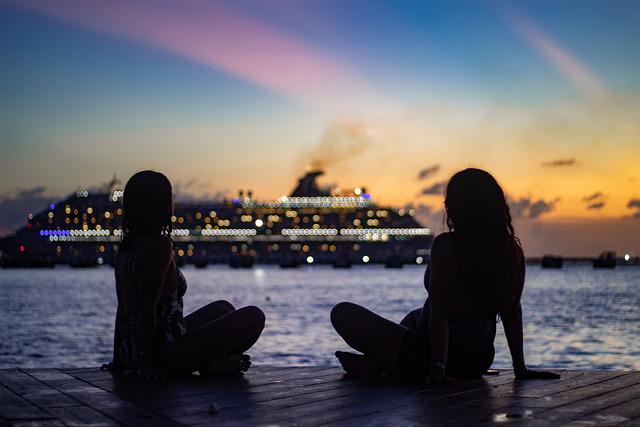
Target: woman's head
<point x="475" y="204"/>
<point x="148" y="206"/>
<point x="488" y="251"/>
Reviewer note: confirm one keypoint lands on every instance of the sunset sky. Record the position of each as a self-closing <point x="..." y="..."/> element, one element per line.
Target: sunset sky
<point x="243" y="94"/>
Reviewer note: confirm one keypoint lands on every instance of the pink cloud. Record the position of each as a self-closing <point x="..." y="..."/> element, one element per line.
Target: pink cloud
<point x="570" y="66"/>
<point x="219" y="36"/>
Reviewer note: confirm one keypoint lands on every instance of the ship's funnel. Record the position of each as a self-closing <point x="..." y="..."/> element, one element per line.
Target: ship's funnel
<point x="307" y="186"/>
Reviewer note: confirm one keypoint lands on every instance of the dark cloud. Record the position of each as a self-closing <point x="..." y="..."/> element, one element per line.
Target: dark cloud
<point x="634" y="204"/>
<point x="434" y="189"/>
<point x="526" y="207"/>
<point x="560" y="163"/>
<point x="428" y="171"/>
<point x="15" y="207"/>
<point x="598" y="195"/>
<point x="595" y="201"/>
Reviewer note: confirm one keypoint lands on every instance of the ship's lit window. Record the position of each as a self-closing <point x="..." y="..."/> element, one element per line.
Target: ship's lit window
<point x="234" y="249"/>
<point x="101" y="248"/>
<point x="119" y="211"/>
<point x="180" y="220"/>
<point x="275" y="247"/>
<point x="58" y="249"/>
<point x="316" y="218"/>
<point x="50" y="221"/>
<point x="75" y="211"/>
<point x="401" y="212"/>
<point x="316" y="226"/>
<point x="212" y="214"/>
<point x="198" y="215"/>
<point x="412" y="212"/>
<point x="100" y="261"/>
<point x="305" y="220"/>
<point x="90" y="210"/>
<point x="75" y="220"/>
<point x="107" y="214"/>
<point x="365" y="258"/>
<point x="207" y="220"/>
<point x="180" y="252"/>
<point x="50" y="214"/>
<point x="259" y="222"/>
<point x="305" y="248"/>
<point x="310" y="259"/>
<point x="356" y="247"/>
<point x="190" y="252"/>
<point x="67" y="210"/>
<point x="370" y="214"/>
<point x="357" y="191"/>
<point x="332" y="248"/>
<point x="324" y="247"/>
<point x="173" y="218"/>
<point x="93" y="220"/>
<point x="67" y="220"/>
<point x="356" y="222"/>
<point x="419" y="260"/>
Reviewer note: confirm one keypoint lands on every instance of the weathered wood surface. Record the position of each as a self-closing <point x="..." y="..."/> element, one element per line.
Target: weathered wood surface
<point x="270" y="395"/>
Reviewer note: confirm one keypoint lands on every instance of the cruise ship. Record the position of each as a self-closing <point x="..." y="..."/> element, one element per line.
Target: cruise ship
<point x="310" y="226"/>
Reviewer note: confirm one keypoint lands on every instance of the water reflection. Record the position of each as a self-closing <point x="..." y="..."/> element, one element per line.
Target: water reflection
<point x="576" y="317"/>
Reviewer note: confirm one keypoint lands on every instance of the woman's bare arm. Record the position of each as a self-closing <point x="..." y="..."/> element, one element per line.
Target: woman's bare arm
<point x="512" y="323"/>
<point x="441" y="286"/>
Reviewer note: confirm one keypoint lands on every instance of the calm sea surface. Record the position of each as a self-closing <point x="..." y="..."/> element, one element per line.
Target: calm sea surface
<point x="577" y="317"/>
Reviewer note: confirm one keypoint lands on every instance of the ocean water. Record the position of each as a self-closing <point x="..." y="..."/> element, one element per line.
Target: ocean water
<point x="576" y="317"/>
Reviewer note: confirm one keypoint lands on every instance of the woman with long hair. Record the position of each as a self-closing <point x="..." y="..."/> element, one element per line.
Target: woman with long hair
<point x="152" y="337"/>
<point x="476" y="274"/>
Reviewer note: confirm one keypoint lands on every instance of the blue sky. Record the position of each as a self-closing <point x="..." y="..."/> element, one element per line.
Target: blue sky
<point x="245" y="94"/>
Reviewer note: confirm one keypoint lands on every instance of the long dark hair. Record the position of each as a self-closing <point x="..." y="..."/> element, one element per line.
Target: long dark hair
<point x="148" y="207"/>
<point x="488" y="252"/>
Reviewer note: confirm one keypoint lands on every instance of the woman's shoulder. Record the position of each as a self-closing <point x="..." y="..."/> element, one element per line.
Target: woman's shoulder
<point x="443" y="242"/>
<point x="154" y="246"/>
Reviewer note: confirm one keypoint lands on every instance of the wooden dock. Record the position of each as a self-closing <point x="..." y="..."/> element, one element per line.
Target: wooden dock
<point x="270" y="395"/>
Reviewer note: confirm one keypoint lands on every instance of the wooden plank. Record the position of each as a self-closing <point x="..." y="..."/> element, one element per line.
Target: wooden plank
<point x="15" y="408"/>
<point x="82" y="416"/>
<point x="34" y="391"/>
<point x="626" y="412"/>
<point x="107" y="403"/>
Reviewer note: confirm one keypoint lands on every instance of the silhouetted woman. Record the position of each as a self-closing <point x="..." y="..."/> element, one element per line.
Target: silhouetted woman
<point x="152" y="338"/>
<point x="477" y="273"/>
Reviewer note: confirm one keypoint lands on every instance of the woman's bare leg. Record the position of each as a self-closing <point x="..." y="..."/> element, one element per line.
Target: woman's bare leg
<point x="208" y="313"/>
<point x="412" y="319"/>
<point x="232" y="332"/>
<point x="378" y="338"/>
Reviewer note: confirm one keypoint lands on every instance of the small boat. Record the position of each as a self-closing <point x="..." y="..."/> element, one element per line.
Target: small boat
<point x="341" y="262"/>
<point x="551" y="261"/>
<point x="393" y="262"/>
<point x="605" y="260"/>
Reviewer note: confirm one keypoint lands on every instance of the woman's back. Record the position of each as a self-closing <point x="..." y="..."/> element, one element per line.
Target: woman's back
<point x="131" y="273"/>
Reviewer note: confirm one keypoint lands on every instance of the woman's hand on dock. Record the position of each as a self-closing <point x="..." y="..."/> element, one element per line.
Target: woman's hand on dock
<point x="529" y="374"/>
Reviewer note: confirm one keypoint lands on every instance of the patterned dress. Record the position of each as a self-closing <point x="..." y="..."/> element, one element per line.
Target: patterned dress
<point x="170" y="325"/>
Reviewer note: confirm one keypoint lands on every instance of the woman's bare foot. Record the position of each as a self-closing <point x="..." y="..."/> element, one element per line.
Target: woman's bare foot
<point x="232" y="364"/>
<point x="357" y="365"/>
